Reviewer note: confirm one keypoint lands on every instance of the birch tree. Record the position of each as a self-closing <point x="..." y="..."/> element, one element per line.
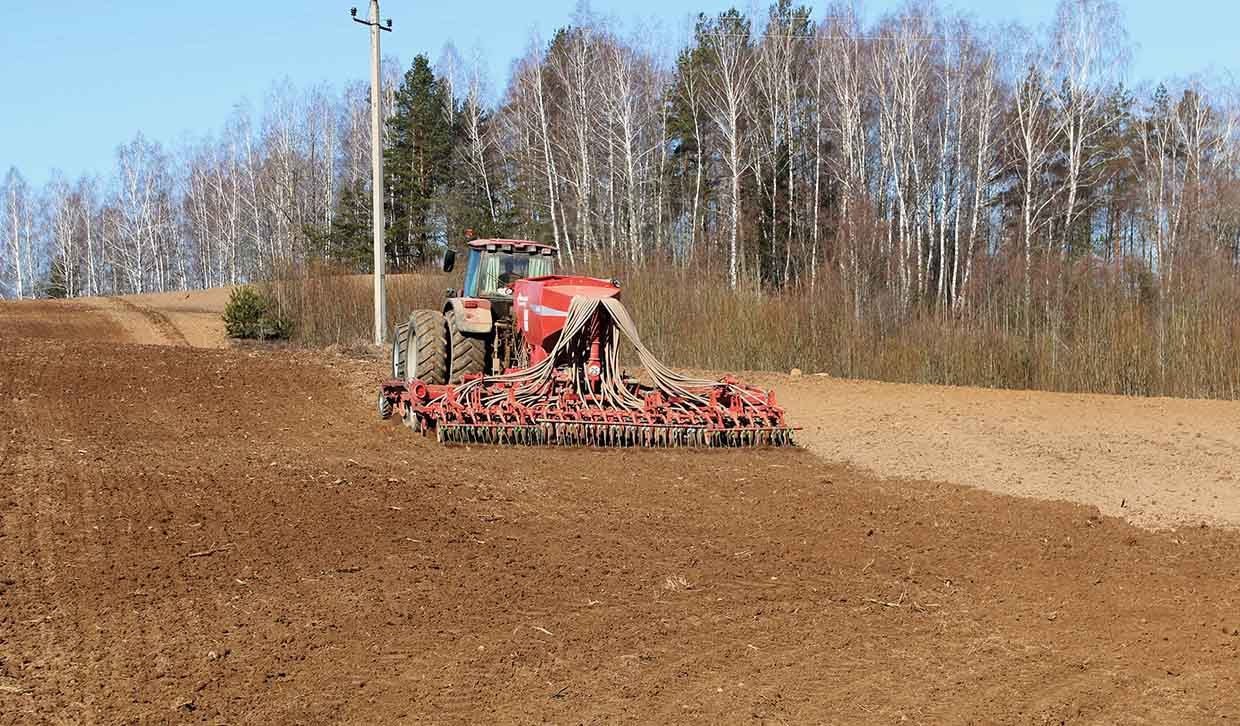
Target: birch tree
<point x="1033" y="138"/>
<point x="1090" y="52"/>
<point x="18" y="235"/>
<point x="62" y="228"/>
<point x="134" y="246"/>
<point x="840" y="83"/>
<point x="728" y="83"/>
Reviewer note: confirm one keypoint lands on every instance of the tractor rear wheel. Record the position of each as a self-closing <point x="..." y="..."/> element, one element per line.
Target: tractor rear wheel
<point x="424" y="356"/>
<point x="469" y="352"/>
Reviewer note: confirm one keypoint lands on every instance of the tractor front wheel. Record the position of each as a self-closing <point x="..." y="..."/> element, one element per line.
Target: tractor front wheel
<point x="400" y="344"/>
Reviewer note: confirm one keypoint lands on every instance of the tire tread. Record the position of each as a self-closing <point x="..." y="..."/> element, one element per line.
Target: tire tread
<point x="468" y="352"/>
<point x="428" y="347"/>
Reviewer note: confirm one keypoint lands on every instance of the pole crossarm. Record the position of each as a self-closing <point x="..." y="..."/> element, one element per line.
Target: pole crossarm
<point x="388" y="27"/>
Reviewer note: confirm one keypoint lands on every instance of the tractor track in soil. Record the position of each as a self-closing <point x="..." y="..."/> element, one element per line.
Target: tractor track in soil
<point x="163" y="327"/>
<point x="232" y="536"/>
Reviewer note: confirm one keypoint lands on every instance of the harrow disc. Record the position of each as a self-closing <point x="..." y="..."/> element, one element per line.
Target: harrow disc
<point x="610" y="436"/>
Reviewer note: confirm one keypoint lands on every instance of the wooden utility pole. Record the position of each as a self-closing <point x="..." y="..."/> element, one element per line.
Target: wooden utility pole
<point x="376" y="162"/>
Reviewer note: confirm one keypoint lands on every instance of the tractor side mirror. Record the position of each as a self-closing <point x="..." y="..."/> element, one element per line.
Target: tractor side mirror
<point x="449" y="260"/>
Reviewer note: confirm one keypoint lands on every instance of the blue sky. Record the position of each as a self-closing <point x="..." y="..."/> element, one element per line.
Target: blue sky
<point x="81" y="77"/>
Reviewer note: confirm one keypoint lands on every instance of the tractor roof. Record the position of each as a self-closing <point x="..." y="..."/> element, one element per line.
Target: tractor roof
<point x="513" y="245"/>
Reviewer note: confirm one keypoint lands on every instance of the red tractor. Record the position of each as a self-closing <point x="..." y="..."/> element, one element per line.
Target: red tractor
<point x="473" y="334"/>
<point x="525" y="356"/>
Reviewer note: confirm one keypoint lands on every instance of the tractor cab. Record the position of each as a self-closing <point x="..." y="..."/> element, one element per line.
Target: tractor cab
<point x="472" y="333"/>
<point x="494" y="264"/>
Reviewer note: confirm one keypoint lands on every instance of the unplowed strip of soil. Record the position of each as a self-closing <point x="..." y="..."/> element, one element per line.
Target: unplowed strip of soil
<point x="164" y="329"/>
<point x="232" y="536"/>
<point x="1157" y="462"/>
<point x="195" y="315"/>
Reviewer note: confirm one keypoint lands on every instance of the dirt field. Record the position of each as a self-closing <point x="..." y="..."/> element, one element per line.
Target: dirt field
<point x="231" y="536"/>
<point x="1157" y="462"/>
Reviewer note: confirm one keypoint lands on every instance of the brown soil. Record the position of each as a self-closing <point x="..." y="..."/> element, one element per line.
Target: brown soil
<point x="173" y="318"/>
<point x="193" y="316"/>
<point x="1158" y="462"/>
<point x="232" y="536"/>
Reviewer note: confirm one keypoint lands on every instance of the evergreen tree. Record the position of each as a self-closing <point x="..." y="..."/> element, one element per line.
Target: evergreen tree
<point x="350" y="241"/>
<point x="418" y="166"/>
<point x="56" y="285"/>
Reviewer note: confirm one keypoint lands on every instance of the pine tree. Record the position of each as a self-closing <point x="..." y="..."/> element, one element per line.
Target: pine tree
<point x="350" y="240"/>
<point x="418" y="166"/>
<point x="56" y="285"/>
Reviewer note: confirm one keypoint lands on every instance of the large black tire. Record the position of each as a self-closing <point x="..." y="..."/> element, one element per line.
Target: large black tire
<point x="425" y="355"/>
<point x="469" y="352"/>
<point x="400" y="344"/>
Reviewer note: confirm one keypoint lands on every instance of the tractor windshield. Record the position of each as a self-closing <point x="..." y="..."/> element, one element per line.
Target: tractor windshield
<point x="492" y="273"/>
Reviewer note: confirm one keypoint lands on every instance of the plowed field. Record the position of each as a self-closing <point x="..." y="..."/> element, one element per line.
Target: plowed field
<point x="231" y="536"/>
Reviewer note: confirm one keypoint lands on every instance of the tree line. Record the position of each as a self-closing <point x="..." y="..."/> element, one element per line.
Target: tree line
<point x="920" y="161"/>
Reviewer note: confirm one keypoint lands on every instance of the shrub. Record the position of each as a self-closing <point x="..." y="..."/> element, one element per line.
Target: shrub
<point x="249" y="315"/>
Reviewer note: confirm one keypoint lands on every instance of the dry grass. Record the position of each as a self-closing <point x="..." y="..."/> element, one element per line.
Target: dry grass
<point x="1102" y="337"/>
<point x="1099" y="333"/>
<point x="329" y="308"/>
